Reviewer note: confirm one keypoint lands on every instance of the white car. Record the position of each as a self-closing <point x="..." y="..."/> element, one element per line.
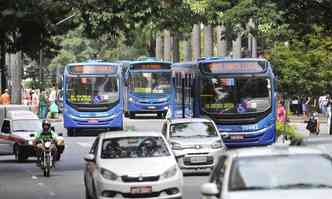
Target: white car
<point x="195" y="140"/>
<point x="132" y="165"/>
<point x="274" y="172"/>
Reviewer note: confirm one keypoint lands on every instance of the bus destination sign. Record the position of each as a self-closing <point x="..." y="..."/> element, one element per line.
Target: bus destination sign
<point x="92" y="69"/>
<point x="234" y="67"/>
<point x="152" y="66"/>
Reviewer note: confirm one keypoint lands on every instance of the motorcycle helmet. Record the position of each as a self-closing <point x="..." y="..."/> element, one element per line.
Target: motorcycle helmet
<point x="46" y="125"/>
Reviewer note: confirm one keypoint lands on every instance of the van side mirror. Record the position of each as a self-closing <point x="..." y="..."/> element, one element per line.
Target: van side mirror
<point x="90" y="158"/>
<point x="209" y="190"/>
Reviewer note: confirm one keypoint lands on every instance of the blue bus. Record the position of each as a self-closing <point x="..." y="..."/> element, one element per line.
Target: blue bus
<point x="147" y="88"/>
<point x="238" y="94"/>
<point x="93" y="96"/>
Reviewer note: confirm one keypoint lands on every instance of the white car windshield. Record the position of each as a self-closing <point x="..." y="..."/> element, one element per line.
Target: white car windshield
<point x="134" y="147"/>
<point x="281" y="172"/>
<point x="32" y="125"/>
<point x="193" y="129"/>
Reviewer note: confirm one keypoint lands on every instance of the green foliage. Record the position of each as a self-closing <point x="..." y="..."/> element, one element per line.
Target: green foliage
<point x="289" y="131"/>
<point x="304" y="67"/>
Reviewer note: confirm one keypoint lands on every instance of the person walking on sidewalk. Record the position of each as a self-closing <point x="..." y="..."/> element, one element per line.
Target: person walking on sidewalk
<point x="281" y="112"/>
<point x="305" y="108"/>
<point x="5" y="98"/>
<point x="43" y="106"/>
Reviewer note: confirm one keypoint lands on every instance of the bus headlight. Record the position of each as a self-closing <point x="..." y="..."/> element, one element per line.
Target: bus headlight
<point x="166" y="108"/>
<point x="131" y="99"/>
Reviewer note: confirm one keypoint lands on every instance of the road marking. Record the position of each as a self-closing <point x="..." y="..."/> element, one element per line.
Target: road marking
<point x="34" y="177"/>
<point x="40" y="184"/>
<point x="52" y="194"/>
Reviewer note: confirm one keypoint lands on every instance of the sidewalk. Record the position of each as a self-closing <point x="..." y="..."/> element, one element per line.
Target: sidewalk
<point x="300" y="125"/>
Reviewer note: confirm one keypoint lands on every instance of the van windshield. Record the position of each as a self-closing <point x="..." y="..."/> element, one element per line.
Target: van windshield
<point x="32" y="125"/>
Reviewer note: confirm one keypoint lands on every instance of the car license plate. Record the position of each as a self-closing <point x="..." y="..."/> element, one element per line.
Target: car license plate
<point x="92" y="121"/>
<point x="138" y="190"/>
<point x="151" y="107"/>
<point x="237" y="137"/>
<point x="198" y="159"/>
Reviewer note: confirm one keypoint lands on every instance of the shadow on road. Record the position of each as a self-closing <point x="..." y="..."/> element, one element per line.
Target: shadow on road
<point x="13" y="161"/>
<point x="196" y="173"/>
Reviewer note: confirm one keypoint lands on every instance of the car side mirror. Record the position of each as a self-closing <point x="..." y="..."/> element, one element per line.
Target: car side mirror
<point x="60" y="134"/>
<point x="32" y="135"/>
<point x="209" y="190"/>
<point x="90" y="158"/>
<point x="52" y="128"/>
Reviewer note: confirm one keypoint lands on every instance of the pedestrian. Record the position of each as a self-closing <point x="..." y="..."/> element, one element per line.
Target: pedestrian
<point x="5" y="98"/>
<point x="35" y="102"/>
<point x="281" y="112"/>
<point x="305" y="108"/>
<point x="43" y="106"/>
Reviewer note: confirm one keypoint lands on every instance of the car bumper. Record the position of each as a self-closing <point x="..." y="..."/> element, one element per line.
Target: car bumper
<point x="211" y="157"/>
<point x="118" y="189"/>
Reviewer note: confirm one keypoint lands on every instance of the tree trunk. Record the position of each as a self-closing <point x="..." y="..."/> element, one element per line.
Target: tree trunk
<point x="16" y="70"/>
<point x="187" y="50"/>
<point x="159" y="47"/>
<point x="167" y="45"/>
<point x="222" y="42"/>
<point x="175" y="48"/>
<point x="196" y="41"/>
<point x="2" y="67"/>
<point x="252" y="42"/>
<point x="208" y="41"/>
<point x="237" y="47"/>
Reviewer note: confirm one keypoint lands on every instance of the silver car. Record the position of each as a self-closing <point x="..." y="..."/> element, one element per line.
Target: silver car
<point x="132" y="165"/>
<point x="275" y="172"/>
<point x="196" y="141"/>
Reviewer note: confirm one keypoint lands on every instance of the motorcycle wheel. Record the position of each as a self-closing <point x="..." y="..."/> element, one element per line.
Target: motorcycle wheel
<point x="47" y="167"/>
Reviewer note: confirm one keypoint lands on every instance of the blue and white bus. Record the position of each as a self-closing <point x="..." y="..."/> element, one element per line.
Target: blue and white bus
<point x="147" y="88"/>
<point x="238" y="94"/>
<point x="93" y="96"/>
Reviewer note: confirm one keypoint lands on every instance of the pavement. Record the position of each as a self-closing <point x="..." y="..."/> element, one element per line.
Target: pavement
<point x="299" y="123"/>
<point x="25" y="180"/>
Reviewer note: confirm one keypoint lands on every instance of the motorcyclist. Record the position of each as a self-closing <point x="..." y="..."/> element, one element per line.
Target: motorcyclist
<point x="44" y="135"/>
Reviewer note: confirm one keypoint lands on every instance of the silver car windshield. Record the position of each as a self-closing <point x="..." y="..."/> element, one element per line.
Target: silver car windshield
<point x="134" y="147"/>
<point x="32" y="125"/>
<point x="193" y="129"/>
<point x="281" y="172"/>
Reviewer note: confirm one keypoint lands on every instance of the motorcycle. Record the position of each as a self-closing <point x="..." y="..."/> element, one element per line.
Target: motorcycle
<point x="47" y="157"/>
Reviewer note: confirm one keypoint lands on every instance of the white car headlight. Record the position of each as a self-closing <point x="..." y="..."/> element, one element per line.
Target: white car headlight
<point x="170" y="172"/>
<point x="30" y="142"/>
<point x="130" y="99"/>
<point x="176" y="146"/>
<point x="109" y="175"/>
<point x="217" y="145"/>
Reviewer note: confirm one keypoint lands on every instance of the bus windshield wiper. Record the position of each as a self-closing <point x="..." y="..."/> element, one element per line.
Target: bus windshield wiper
<point x="303" y="185"/>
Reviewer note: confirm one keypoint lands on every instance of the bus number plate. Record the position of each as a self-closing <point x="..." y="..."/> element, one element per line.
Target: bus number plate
<point x="237" y="137"/>
<point x="92" y="121"/>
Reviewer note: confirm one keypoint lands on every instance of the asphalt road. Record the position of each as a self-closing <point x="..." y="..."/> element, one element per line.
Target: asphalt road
<point x="25" y="180"/>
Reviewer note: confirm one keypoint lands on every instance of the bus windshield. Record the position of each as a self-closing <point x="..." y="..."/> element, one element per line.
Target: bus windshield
<point x="92" y="90"/>
<point x="150" y="82"/>
<point x="240" y="95"/>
